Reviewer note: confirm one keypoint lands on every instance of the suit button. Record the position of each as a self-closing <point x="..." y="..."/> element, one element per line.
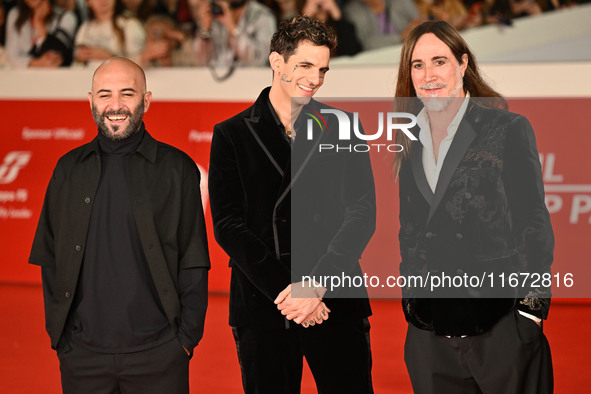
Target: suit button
<point x="459" y="236"/>
<point x="468" y="196"/>
<point x="87" y="200"/>
<point x="67" y="295"/>
<point x="317" y="217"/>
<point x="422" y="256"/>
<point x="460" y="272"/>
<point x="78" y="248"/>
<point x="429" y="235"/>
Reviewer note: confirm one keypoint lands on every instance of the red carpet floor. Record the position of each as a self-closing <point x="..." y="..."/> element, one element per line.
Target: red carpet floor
<point x="28" y="365"/>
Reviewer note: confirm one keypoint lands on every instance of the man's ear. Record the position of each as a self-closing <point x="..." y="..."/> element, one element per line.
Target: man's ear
<point x="464" y="64"/>
<point x="147" y="101"/>
<point x="276" y="61"/>
<point x="90" y="99"/>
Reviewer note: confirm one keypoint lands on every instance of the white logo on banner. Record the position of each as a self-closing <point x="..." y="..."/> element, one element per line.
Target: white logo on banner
<point x="13" y="162"/>
<point x="59" y="133"/>
<point x="200" y="136"/>
<point x="558" y="193"/>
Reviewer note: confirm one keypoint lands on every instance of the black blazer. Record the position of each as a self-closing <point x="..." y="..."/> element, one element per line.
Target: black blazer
<point x="487" y="216"/>
<point x="254" y="189"/>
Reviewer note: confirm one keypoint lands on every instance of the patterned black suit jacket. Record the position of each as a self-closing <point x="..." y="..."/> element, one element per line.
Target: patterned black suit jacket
<point x="487" y="217"/>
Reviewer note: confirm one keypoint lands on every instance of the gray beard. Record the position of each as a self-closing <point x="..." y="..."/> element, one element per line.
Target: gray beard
<point x="135" y="121"/>
<point x="437" y="104"/>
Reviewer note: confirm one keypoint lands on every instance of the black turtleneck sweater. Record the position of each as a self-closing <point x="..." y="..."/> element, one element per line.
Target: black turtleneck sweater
<point x="117" y="309"/>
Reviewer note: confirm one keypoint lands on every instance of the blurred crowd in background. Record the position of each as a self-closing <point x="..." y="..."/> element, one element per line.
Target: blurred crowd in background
<point x="221" y="34"/>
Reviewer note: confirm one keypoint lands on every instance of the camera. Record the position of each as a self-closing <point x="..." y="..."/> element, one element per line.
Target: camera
<point x="216" y="10"/>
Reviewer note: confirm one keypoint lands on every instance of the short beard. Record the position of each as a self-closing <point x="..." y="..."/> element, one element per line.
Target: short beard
<point x="135" y="121"/>
<point x="437" y="104"/>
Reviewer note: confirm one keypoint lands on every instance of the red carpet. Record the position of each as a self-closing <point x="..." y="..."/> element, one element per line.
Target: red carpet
<point x="29" y="366"/>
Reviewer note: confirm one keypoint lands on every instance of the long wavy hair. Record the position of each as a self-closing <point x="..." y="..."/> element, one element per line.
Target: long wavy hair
<point x="25" y="13"/>
<point x="473" y="81"/>
<point x="117" y="12"/>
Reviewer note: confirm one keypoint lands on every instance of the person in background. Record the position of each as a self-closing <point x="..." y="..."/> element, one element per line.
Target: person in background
<point x="166" y="45"/>
<point x="521" y="8"/>
<point x="451" y="11"/>
<point x="284" y="10"/>
<point x="39" y="34"/>
<point x="232" y="33"/>
<point x="380" y="23"/>
<point x="329" y="12"/>
<point x="79" y="7"/>
<point x="178" y="10"/>
<point x="108" y="33"/>
<point x="140" y="9"/>
<point x="485" y="12"/>
<point x="122" y="247"/>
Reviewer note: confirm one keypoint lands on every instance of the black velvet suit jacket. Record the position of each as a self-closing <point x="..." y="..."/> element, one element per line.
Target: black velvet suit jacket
<point x="487" y="216"/>
<point x="258" y="182"/>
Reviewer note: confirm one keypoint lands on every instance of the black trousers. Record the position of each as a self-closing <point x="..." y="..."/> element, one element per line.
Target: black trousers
<point x="339" y="356"/>
<point x="161" y="370"/>
<point x="511" y="358"/>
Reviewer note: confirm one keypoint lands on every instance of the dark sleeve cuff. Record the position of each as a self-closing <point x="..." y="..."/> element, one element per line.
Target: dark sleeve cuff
<point x="193" y="298"/>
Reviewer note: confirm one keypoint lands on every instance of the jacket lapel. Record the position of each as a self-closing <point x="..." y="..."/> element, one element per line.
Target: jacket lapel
<point x="302" y="150"/>
<point x="261" y="125"/>
<point x="462" y="140"/>
<point x="418" y="171"/>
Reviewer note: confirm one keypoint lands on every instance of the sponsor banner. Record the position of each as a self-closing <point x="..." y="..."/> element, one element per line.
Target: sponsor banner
<point x="34" y="134"/>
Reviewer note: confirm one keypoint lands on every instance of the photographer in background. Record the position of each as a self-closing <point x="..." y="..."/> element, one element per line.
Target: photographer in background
<point x="232" y="32"/>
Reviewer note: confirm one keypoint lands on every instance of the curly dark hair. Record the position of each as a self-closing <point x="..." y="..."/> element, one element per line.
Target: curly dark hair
<point x="301" y="28"/>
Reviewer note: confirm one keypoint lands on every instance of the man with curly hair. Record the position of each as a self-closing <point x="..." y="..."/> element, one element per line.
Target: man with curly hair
<point x="277" y="320"/>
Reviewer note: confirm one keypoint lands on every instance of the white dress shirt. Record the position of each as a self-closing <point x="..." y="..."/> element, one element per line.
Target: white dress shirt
<point x="431" y="166"/>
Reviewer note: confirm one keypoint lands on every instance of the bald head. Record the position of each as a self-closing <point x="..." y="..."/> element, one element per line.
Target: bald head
<point x="123" y="66"/>
<point x="118" y="97"/>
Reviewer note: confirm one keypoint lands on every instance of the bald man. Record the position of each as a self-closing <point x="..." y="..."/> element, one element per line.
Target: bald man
<point x="123" y="252"/>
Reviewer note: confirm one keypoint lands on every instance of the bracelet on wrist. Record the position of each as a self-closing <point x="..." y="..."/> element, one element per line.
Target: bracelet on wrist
<point x="204" y="34"/>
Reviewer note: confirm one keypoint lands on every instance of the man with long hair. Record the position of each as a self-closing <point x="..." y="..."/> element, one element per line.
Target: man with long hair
<point x="261" y="168"/>
<point x="471" y="205"/>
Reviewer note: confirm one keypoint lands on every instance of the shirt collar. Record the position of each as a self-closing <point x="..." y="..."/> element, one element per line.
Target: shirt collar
<point x="277" y="121"/>
<point x="147" y="148"/>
